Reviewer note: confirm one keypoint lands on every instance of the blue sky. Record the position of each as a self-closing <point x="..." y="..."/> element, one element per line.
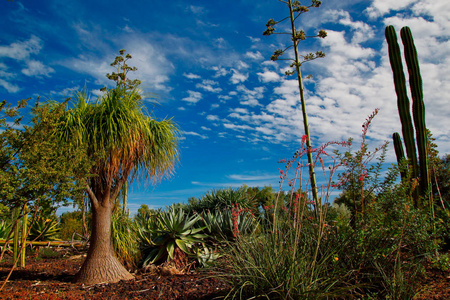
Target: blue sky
<point x="209" y="66"/>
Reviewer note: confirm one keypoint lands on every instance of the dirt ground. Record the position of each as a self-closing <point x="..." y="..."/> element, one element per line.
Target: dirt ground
<point x="51" y="278"/>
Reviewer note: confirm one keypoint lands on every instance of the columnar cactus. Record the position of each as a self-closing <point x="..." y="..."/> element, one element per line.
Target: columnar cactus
<point x="415" y="82"/>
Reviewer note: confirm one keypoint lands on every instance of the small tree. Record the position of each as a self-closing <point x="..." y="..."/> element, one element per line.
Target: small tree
<point x="122" y="142"/>
<point x="37" y="170"/>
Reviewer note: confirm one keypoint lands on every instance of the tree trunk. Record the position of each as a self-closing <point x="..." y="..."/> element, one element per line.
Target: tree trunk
<point x="101" y="264"/>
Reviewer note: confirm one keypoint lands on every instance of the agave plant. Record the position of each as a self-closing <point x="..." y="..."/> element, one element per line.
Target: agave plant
<point x="44" y="228"/>
<point x="170" y="236"/>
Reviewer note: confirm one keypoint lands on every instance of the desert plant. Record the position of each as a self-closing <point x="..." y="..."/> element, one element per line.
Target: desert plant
<point x="222" y="225"/>
<point x="290" y="256"/>
<point x="296" y="9"/>
<point x="44" y="228"/>
<point x="170" y="236"/>
<point x="418" y="108"/>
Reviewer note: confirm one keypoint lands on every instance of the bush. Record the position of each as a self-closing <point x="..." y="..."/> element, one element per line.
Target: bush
<point x="125" y="239"/>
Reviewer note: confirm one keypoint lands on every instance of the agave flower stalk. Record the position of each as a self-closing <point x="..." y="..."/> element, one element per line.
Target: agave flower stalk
<point x="295" y="10"/>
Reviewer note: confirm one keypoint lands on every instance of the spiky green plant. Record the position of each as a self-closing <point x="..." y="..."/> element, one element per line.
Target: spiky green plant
<point x="221" y="224"/>
<point x="170" y="235"/>
<point x="418" y="107"/>
<point x="44" y="229"/>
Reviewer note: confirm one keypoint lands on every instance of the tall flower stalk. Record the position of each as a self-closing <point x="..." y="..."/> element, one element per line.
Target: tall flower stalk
<point x="295" y="11"/>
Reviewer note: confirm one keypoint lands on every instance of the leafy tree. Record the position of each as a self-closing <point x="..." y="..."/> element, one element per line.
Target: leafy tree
<point x="123" y="143"/>
<point x="35" y="167"/>
<point x="37" y="170"/>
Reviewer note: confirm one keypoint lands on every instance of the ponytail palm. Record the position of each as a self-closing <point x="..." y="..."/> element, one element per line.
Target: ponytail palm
<point x="124" y="144"/>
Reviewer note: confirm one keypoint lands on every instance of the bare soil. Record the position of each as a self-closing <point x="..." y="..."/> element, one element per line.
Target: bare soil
<point x="51" y="278"/>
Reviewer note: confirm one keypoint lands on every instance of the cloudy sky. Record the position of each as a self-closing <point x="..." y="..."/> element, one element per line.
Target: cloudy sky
<point x="208" y="65"/>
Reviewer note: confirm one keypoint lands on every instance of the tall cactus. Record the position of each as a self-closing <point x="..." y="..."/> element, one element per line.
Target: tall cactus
<point x="415" y="83"/>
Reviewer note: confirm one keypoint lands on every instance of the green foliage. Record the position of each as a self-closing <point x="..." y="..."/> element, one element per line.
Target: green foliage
<point x="442" y="262"/>
<point x="121" y="79"/>
<point x="283" y="264"/>
<point x="44" y="252"/>
<point x="361" y="182"/>
<point x="125" y="239"/>
<point x="70" y="224"/>
<point x="5" y="227"/>
<point x="169" y="236"/>
<point x="221" y="199"/>
<point x="225" y="224"/>
<point x="35" y="167"/>
<point x="44" y="228"/>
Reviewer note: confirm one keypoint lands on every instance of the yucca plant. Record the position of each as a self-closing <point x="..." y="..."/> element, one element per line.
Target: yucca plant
<point x="170" y="236"/>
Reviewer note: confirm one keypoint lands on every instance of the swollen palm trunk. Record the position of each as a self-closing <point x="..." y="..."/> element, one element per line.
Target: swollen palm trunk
<point x="101" y="264"/>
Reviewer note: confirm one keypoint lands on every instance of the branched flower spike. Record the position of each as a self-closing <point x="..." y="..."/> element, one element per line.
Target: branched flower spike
<point x="295" y="10"/>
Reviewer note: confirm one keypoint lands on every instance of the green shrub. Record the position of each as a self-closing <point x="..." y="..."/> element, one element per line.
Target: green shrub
<point x="221" y="199"/>
<point x="125" y="239"/>
<point x="71" y="228"/>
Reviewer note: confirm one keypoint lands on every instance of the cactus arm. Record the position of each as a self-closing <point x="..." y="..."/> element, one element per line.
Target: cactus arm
<point x="399" y="152"/>
<point x="415" y="82"/>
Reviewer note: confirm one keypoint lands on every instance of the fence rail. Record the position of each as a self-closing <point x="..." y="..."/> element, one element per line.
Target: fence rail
<point x="77" y="244"/>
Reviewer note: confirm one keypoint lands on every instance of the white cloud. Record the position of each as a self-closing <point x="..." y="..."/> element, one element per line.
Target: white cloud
<point x="209" y="85"/>
<point x="379" y="8"/>
<point x="220" y="71"/>
<point x="153" y="68"/>
<point x="245" y="177"/>
<point x="191" y="76"/>
<point x="11" y="88"/>
<point x="268" y="76"/>
<point x="37" y="68"/>
<point x="193" y="97"/>
<point x="22" y="50"/>
<point x="361" y="31"/>
<point x="254" y="55"/>
<point x="195" y="134"/>
<point x="212" y="118"/>
<point x="197" y="10"/>
<point x="238" y="77"/>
